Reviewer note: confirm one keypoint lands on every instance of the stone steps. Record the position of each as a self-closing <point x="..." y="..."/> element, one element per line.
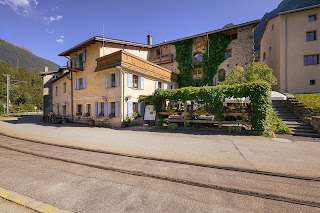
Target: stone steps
<point x="297" y="126"/>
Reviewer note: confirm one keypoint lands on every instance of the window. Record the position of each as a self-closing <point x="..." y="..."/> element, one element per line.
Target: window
<point x="269" y="49"/>
<point x="88" y="109"/>
<point x="58" y="111"/>
<point x="113" y="80"/>
<point x="312" y="18"/>
<point x="64" y="110"/>
<point x="227" y="53"/>
<point x="311" y="59"/>
<point x="197" y="73"/>
<point x="311" y="36"/>
<point x="264" y="56"/>
<point x="135" y="81"/>
<point x="198" y="57"/>
<point x="64" y="87"/>
<point x="79" y="109"/>
<point x="312" y="82"/>
<point x="80" y="61"/>
<point x="101" y="110"/>
<point x="158" y="51"/>
<point x="113" y="109"/>
<point x="80" y="83"/>
<point x="135" y="107"/>
<point x="56" y="90"/>
<point x="159" y="84"/>
<point x="221" y="75"/>
<point x="272" y="27"/>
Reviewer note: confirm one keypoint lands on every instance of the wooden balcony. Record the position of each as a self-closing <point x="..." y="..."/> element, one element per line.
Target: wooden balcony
<point x="134" y="63"/>
<point x="161" y="59"/>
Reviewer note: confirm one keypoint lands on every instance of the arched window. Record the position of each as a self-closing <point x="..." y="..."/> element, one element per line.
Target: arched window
<point x="198" y="57"/>
<point x="221" y="75"/>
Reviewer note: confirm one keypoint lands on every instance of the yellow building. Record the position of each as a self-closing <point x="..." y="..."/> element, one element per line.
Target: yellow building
<point x="290" y="45"/>
<point x="108" y="76"/>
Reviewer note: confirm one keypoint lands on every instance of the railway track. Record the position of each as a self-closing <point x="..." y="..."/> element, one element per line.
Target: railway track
<point x="267" y="185"/>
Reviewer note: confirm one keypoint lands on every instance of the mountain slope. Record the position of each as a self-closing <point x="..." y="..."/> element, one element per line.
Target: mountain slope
<point x="285" y="5"/>
<point x="10" y="53"/>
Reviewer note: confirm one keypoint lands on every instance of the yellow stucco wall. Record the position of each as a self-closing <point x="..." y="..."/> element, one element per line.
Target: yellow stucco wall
<point x="59" y="98"/>
<point x="289" y="46"/>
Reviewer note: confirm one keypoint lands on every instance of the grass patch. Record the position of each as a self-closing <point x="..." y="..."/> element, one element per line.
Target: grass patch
<point x="311" y="100"/>
<point x="275" y="124"/>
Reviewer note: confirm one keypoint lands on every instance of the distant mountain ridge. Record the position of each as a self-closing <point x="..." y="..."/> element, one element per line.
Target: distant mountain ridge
<point x="9" y="53"/>
<point x="285" y="5"/>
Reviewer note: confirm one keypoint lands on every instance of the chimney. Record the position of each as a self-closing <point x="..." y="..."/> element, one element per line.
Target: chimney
<point x="46" y="69"/>
<point x="149" y="39"/>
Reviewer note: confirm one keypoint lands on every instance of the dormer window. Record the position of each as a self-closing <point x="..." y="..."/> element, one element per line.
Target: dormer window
<point x="198" y="58"/>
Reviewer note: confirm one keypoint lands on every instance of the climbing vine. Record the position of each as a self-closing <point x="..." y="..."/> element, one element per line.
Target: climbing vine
<point x="214" y="55"/>
<point x="184" y="59"/>
<point x="258" y="92"/>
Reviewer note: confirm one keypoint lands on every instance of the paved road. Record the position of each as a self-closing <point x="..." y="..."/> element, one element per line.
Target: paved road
<point x="84" y="188"/>
<point x="298" y="157"/>
<point x="10" y="207"/>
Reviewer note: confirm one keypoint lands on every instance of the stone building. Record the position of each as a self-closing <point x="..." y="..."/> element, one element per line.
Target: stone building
<point x="240" y="50"/>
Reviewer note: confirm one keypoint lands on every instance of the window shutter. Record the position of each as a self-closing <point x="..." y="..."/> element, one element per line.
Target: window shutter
<point x="96" y="105"/>
<point x="84" y="55"/>
<point x="84" y="82"/>
<point x="106" y="81"/>
<point x="130" y="109"/>
<point x="142" y="106"/>
<point x="75" y="83"/>
<point x="117" y="109"/>
<point x="130" y="76"/>
<point x="165" y="86"/>
<point x="156" y="84"/>
<point x="105" y="110"/>
<point x="117" y="79"/>
<point x="141" y="82"/>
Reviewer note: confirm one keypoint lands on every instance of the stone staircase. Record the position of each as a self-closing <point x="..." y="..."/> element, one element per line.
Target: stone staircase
<point x="297" y="126"/>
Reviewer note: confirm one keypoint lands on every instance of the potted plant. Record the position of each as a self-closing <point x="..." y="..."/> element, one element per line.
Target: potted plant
<point x="65" y="120"/>
<point x="91" y="122"/>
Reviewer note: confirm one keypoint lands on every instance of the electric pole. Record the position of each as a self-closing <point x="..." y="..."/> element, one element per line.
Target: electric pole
<point x="8" y="91"/>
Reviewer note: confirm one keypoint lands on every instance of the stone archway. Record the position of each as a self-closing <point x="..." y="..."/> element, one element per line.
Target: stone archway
<point x="221" y="75"/>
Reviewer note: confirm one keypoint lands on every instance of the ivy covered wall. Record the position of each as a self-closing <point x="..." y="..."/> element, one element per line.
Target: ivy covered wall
<point x="214" y="55"/>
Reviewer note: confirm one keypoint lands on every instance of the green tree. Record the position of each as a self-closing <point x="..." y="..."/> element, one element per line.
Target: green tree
<point x="255" y="72"/>
<point x="260" y="72"/>
<point x="236" y="76"/>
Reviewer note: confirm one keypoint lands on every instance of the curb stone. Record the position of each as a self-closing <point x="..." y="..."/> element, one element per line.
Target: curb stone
<point x="29" y="202"/>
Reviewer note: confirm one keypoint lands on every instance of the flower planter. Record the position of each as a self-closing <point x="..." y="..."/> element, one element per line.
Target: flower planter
<point x="91" y="123"/>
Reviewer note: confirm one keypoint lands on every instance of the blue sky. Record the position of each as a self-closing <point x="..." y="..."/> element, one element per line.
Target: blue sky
<point x="48" y="27"/>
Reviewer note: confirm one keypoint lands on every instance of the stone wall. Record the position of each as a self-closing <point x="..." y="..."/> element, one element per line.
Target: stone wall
<point x="303" y="112"/>
<point x="242" y="50"/>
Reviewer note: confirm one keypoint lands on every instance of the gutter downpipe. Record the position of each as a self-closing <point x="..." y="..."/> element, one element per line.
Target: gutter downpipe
<point x="286" y="57"/>
<point x="122" y="92"/>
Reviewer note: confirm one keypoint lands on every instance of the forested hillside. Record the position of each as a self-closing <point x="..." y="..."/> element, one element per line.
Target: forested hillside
<point x="10" y="53"/>
<point x="26" y="88"/>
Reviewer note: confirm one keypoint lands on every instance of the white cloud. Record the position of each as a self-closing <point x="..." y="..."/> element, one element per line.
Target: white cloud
<point x="51" y="19"/>
<point x="21" y="7"/>
<point x="49" y="31"/>
<point x="60" y="40"/>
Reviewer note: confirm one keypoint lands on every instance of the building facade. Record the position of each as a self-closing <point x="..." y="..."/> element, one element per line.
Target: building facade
<point x="108" y="77"/>
<point x="290" y="46"/>
<point x="105" y="77"/>
<point x="240" y="51"/>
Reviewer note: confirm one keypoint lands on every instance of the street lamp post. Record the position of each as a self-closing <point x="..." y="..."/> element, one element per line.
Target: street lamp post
<point x="8" y="91"/>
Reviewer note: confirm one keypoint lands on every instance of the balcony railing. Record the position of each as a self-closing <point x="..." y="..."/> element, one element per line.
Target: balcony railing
<point x="133" y="62"/>
<point x="161" y="59"/>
